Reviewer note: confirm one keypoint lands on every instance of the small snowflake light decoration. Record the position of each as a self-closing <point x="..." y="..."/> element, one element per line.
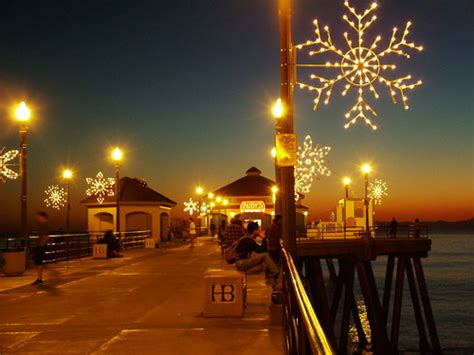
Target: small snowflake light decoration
<point x="310" y="164"/>
<point x="205" y="209"/>
<point x="55" y="197"/>
<point x="5" y="159"/>
<point x="377" y="190"/>
<point x="100" y="187"/>
<point x="191" y="206"/>
<point x="360" y="65"/>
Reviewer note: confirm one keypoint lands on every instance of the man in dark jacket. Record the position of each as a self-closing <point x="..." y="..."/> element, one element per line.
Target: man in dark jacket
<point x="251" y="254"/>
<point x="273" y="234"/>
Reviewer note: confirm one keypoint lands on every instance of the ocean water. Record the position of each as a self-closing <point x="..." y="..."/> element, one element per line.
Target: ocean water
<point x="449" y="273"/>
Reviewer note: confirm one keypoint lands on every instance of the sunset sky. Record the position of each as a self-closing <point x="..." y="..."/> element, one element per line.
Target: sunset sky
<point x="186" y="86"/>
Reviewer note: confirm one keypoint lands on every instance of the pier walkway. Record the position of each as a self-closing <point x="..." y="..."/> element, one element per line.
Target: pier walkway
<point x="148" y="302"/>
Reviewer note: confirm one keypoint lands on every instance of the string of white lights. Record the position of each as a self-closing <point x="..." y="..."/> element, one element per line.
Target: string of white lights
<point x="360" y="65"/>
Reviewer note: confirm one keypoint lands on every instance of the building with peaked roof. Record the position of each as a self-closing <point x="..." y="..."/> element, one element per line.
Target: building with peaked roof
<point x="251" y="198"/>
<point x="141" y="208"/>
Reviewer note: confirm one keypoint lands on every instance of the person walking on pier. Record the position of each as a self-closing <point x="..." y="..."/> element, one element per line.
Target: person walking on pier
<point x="192" y="231"/>
<point x="393" y="228"/>
<point x="39" y="252"/>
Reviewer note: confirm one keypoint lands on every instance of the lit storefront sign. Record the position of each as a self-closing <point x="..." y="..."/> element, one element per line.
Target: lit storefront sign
<point x="252" y="206"/>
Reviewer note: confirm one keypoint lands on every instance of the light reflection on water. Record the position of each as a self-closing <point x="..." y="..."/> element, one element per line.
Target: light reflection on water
<point x="449" y="274"/>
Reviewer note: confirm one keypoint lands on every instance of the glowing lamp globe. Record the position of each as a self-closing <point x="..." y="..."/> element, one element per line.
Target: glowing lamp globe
<point x="277" y="109"/>
<point x="199" y="190"/>
<point x="273" y="152"/>
<point x="366" y="168"/>
<point x="346" y="181"/>
<point x="23" y="112"/>
<point x="117" y="154"/>
<point x="67" y="174"/>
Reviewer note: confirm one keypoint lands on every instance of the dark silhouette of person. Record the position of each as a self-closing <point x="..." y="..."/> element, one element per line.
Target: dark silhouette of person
<point x="113" y="244"/>
<point x="393" y="228"/>
<point x="39" y="252"/>
<point x="273" y="234"/>
<point x="416" y="228"/>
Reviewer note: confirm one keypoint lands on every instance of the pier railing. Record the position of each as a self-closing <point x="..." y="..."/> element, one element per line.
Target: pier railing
<point x="77" y="245"/>
<point x="304" y="334"/>
<point x="333" y="230"/>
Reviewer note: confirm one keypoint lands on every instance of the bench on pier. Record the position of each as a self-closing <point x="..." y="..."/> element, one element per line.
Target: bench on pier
<point x="224" y="293"/>
<point x="99" y="251"/>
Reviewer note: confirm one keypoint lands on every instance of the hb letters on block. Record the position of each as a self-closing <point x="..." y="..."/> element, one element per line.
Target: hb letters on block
<point x="222" y="293"/>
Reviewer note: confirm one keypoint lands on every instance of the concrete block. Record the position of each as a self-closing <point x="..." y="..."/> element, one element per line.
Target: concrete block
<point x="150" y="243"/>
<point x="99" y="251"/>
<point x="224" y="293"/>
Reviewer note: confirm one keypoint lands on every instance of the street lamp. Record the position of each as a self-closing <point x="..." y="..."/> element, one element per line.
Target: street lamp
<point x="199" y="192"/>
<point x="225" y="203"/>
<point x="67" y="176"/>
<point x="277" y="109"/>
<point x="23" y="115"/>
<point x="346" y="181"/>
<point x="278" y="112"/>
<point x="366" y="169"/>
<point x="117" y="156"/>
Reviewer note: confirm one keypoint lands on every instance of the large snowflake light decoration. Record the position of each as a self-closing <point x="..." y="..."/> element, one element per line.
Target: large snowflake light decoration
<point x="360" y="66"/>
<point x="191" y="206"/>
<point x="100" y="187"/>
<point x="5" y="159"/>
<point x="55" y="197"/>
<point x="377" y="190"/>
<point x="310" y="164"/>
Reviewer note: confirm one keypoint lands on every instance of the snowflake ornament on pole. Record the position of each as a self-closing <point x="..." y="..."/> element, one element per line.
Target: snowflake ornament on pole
<point x="377" y="190"/>
<point x="56" y="197"/>
<point x="360" y="65"/>
<point x="5" y="158"/>
<point x="205" y="209"/>
<point x="310" y="164"/>
<point x="100" y="187"/>
<point x="191" y="206"/>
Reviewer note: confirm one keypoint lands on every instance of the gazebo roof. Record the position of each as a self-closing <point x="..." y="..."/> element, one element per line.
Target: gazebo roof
<point x="253" y="184"/>
<point x="134" y="190"/>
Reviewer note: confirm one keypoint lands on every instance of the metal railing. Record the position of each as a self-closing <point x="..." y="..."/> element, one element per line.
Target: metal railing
<point x="403" y="231"/>
<point x="337" y="231"/>
<point x="76" y="245"/>
<point x="304" y="334"/>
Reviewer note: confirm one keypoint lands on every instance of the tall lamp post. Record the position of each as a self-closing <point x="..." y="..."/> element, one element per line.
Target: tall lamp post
<point x="366" y="169"/>
<point x="67" y="176"/>
<point x="286" y="125"/>
<point x="199" y="192"/>
<point x="23" y="115"/>
<point x="346" y="181"/>
<point x="117" y="156"/>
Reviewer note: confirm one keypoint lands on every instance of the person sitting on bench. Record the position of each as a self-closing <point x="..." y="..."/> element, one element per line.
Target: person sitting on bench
<point x="113" y="244"/>
<point x="251" y="254"/>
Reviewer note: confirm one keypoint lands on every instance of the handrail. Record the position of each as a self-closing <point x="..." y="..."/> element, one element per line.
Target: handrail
<point x="77" y="245"/>
<point x="314" y="331"/>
